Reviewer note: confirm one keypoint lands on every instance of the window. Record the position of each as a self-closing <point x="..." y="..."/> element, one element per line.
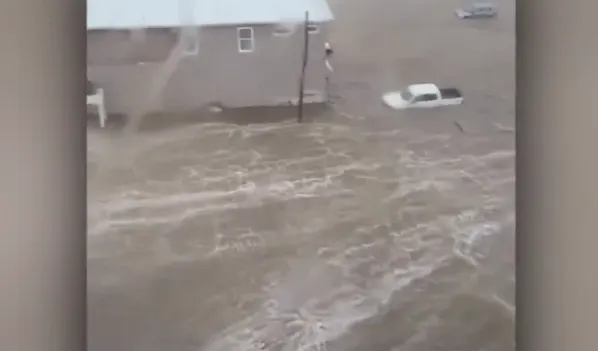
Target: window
<point x="425" y="97"/>
<point x="406" y="95"/>
<point x="245" y="39"/>
<point x="313" y="29"/>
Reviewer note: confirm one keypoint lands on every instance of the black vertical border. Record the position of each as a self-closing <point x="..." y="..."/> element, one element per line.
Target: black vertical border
<point x="42" y="175"/>
<point x="557" y="171"/>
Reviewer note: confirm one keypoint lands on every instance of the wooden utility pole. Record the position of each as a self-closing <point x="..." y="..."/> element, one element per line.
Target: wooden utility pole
<point x="303" y="67"/>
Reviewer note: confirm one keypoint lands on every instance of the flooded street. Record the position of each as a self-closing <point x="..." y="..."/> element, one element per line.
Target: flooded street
<point x="362" y="229"/>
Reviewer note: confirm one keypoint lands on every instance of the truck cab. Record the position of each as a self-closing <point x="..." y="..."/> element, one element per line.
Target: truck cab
<point x="421" y="94"/>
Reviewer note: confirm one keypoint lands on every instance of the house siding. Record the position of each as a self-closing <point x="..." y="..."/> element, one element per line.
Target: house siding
<point x="218" y="74"/>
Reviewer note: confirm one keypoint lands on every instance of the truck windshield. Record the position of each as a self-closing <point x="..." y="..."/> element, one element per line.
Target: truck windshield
<point x="406" y="95"/>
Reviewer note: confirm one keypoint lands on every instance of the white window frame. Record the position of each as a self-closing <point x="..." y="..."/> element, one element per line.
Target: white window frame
<point x="251" y="39"/>
<point x="313" y="28"/>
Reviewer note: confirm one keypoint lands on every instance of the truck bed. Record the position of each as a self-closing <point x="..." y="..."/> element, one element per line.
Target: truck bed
<point x="450" y="93"/>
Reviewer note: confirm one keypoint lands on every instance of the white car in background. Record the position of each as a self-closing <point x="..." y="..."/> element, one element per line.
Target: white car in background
<point x="477" y="10"/>
<point x="423" y="96"/>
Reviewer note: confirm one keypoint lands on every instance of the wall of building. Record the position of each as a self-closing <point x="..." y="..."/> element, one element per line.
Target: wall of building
<point x="124" y="65"/>
<point x="124" y="47"/>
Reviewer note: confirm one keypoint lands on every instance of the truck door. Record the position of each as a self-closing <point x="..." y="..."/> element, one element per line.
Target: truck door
<point x="425" y="100"/>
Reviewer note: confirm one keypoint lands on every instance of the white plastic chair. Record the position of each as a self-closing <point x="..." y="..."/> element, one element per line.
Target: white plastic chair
<point x="97" y="100"/>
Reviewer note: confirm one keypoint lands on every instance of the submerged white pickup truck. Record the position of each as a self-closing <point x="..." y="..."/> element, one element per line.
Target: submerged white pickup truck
<point x="422" y="96"/>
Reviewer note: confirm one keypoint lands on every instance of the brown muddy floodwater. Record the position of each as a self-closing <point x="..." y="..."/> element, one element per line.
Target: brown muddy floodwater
<point x="363" y="229"/>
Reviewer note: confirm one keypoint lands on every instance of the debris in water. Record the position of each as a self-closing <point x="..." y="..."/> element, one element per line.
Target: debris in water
<point x="504" y="129"/>
<point x="215" y="108"/>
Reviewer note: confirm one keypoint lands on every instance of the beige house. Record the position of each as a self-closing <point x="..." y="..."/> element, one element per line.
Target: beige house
<point x="241" y="54"/>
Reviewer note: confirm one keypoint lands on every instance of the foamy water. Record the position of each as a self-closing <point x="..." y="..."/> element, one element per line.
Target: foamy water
<point x="334" y="232"/>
